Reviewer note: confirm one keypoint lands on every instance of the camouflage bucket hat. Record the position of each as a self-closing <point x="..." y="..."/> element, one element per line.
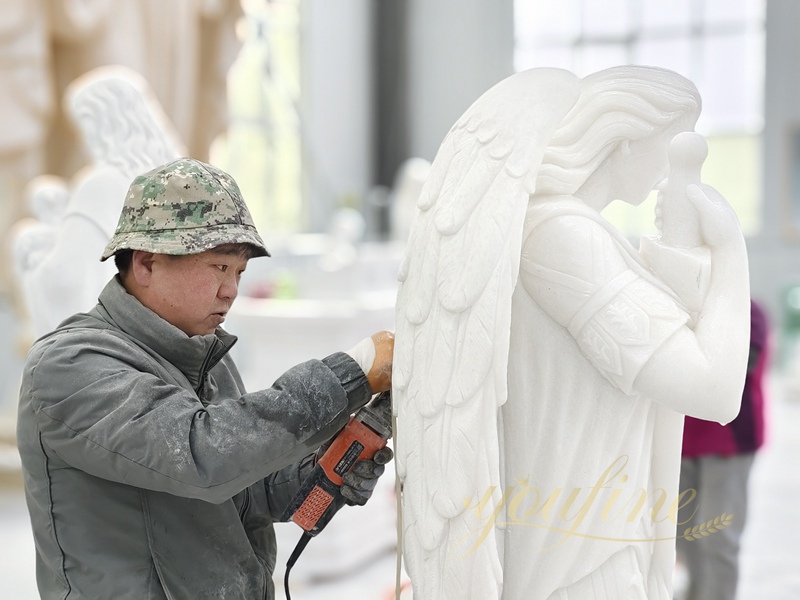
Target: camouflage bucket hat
<point x="183" y="207"/>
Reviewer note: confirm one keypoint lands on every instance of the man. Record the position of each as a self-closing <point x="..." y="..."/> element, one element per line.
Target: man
<point x="149" y="472"/>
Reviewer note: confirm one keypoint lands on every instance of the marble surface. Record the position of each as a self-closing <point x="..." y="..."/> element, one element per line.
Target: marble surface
<point x="537" y="348"/>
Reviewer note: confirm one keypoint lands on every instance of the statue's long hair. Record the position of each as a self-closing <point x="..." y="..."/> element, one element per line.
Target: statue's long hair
<point x="121" y="123"/>
<point x="616" y="105"/>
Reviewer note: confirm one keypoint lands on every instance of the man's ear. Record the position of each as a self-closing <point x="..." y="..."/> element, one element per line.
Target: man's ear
<point x="142" y="267"/>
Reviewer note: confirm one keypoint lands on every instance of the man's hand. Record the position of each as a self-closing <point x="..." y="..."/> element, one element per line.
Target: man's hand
<point x="359" y="483"/>
<point x="374" y="356"/>
<point x="380" y="375"/>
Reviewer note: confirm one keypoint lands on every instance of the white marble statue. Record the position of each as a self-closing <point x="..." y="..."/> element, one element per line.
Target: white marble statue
<point x="183" y="48"/>
<point x="126" y="134"/>
<point x="31" y="241"/>
<point x="543" y="364"/>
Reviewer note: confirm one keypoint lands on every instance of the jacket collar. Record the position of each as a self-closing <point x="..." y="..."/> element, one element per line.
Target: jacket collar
<point x="194" y="356"/>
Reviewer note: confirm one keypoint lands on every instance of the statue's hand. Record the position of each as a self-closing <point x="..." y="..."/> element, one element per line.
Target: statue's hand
<point x="719" y="226"/>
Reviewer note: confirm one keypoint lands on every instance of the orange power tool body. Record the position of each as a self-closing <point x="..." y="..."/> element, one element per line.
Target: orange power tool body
<point x="319" y="497"/>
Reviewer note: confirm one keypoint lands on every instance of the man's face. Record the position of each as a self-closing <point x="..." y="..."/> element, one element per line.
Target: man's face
<point x="195" y="292"/>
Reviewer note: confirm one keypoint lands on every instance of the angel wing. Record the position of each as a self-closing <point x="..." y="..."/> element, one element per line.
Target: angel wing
<point x="453" y="320"/>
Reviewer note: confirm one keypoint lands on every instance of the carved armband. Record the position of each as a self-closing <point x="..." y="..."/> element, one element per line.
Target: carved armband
<point x="623" y="324"/>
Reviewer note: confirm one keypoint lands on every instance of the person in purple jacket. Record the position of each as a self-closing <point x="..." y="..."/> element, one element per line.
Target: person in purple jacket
<point x="716" y="462"/>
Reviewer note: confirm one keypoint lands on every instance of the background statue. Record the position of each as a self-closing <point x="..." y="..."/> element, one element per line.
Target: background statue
<point x="183" y="48"/>
<point x="31" y="241"/>
<point x="127" y="134"/>
<point x="543" y="365"/>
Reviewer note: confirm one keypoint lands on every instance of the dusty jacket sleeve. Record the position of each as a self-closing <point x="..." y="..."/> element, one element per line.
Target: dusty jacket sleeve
<point x="281" y="486"/>
<point x="111" y="413"/>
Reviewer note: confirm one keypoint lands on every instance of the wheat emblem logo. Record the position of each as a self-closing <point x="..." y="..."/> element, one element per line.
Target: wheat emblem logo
<point x="706" y="529"/>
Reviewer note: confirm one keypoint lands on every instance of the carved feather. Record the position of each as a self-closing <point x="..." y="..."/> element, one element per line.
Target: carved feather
<point x="453" y="328"/>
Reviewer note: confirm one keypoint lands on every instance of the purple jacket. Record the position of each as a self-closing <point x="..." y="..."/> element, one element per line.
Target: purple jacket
<point x="746" y="432"/>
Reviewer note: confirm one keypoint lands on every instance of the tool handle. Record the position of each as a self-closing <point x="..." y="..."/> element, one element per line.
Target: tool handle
<point x="322" y="501"/>
<point x="319" y="496"/>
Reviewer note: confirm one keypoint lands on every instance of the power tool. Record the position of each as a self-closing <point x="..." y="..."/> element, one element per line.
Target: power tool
<point x="319" y="496"/>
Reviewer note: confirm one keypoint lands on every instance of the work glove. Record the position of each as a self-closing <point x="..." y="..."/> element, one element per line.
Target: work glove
<point x="359" y="483"/>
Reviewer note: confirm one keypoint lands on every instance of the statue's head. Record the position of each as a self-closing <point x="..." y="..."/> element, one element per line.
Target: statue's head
<point x="120" y="121"/>
<point x="615" y="138"/>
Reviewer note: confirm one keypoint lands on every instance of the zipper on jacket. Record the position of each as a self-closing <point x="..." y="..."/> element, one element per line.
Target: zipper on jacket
<point x="245" y="503"/>
<point x="202" y="389"/>
<point x="213" y="356"/>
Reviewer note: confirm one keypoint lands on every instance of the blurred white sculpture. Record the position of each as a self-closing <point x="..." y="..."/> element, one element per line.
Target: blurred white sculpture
<point x="183" y="48"/>
<point x="346" y="230"/>
<point x="33" y="239"/>
<point x="47" y="197"/>
<point x="542" y="364"/>
<point x="120" y="121"/>
<point x="126" y="134"/>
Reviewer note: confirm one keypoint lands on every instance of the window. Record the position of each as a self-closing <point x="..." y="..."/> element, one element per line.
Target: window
<point x="718" y="44"/>
<point x="262" y="146"/>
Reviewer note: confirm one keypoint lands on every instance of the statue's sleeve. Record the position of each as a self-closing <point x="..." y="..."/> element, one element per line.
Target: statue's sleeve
<point x="618" y="315"/>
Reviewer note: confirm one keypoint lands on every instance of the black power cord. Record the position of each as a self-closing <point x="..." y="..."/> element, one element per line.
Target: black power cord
<point x="298" y="550"/>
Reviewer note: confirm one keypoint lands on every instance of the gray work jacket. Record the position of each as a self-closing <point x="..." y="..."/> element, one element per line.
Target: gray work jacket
<point x="149" y="472"/>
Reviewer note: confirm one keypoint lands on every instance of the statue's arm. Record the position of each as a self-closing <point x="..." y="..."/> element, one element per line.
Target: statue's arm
<point x="632" y="329"/>
<point x="700" y="371"/>
<point x="578" y="273"/>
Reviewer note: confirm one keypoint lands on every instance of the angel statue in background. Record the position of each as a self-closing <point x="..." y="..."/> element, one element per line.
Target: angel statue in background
<point x="543" y="364"/>
<point x="126" y="133"/>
